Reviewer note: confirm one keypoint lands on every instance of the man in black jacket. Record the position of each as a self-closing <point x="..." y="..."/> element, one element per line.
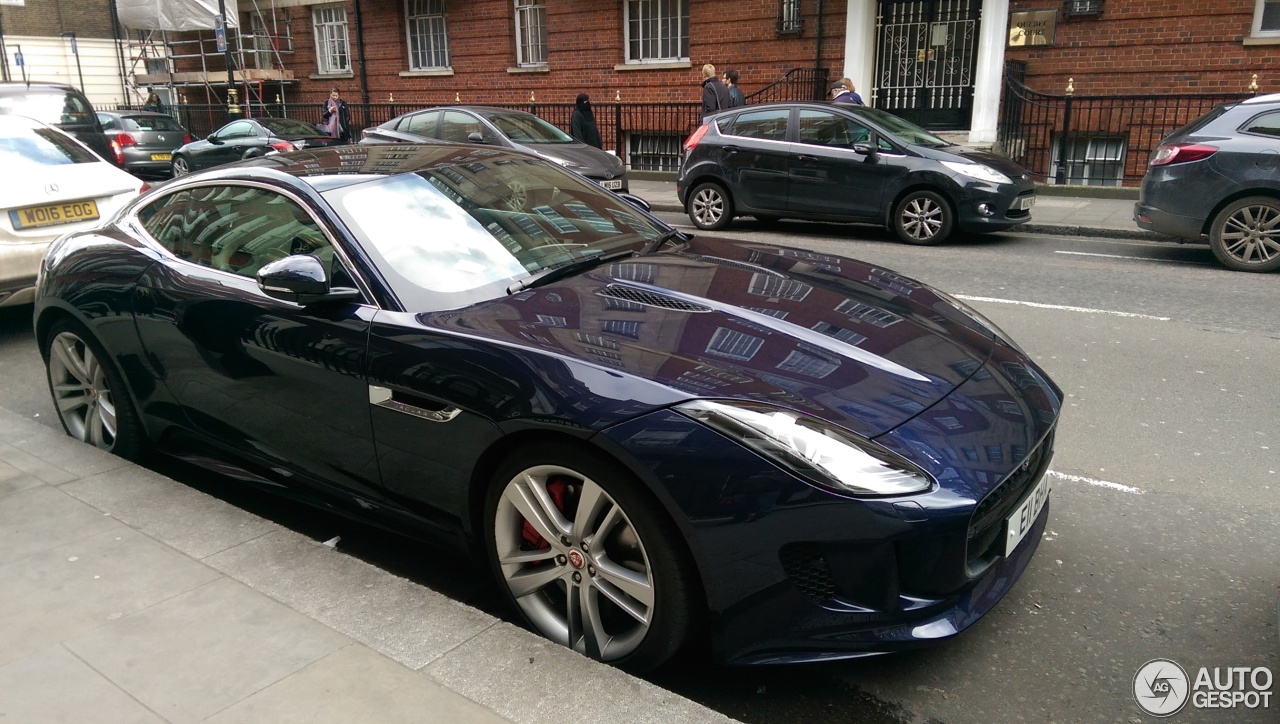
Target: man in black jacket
<point x="715" y="97"/>
<point x="735" y="93"/>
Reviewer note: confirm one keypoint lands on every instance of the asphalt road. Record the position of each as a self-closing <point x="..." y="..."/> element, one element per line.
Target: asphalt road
<point x="1163" y="539"/>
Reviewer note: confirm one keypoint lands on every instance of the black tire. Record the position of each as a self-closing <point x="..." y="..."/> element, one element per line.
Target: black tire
<point x="1245" y="235"/>
<point x="89" y="394"/>
<point x="180" y="166"/>
<point x="710" y="207"/>
<point x="641" y="563"/>
<point x="923" y="218"/>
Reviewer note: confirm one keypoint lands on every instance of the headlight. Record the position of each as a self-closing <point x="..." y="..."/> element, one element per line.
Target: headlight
<point x="978" y="171"/>
<point x="824" y="454"/>
<point x="982" y="321"/>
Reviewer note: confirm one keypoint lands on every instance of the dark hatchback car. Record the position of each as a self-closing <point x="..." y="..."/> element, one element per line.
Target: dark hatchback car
<point x="248" y="138"/>
<point x="143" y="142"/>
<point x="1217" y="179"/>
<point x="846" y="163"/>
<point x="643" y="434"/>
<point x="58" y="105"/>
<point x="506" y="128"/>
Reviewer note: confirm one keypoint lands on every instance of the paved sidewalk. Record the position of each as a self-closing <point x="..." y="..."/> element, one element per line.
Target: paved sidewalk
<point x="128" y="597"/>
<point x="1053" y="214"/>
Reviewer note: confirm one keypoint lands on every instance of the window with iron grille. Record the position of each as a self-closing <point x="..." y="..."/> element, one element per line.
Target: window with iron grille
<point x="1090" y="160"/>
<point x="767" y="285"/>
<point x="866" y="313"/>
<point x="643" y="273"/>
<point x="653" y="152"/>
<point x="807" y="364"/>
<point x="657" y="30"/>
<point x="623" y="327"/>
<point x="428" y="34"/>
<point x="333" y="53"/>
<point x="789" y="20"/>
<point x="1083" y="7"/>
<point x="1266" y="19"/>
<point x="531" y="32"/>
<point x="844" y="335"/>
<point x="733" y="344"/>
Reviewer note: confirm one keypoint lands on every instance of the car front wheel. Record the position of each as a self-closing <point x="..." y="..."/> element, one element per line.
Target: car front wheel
<point x="180" y="167"/>
<point x="1245" y="235"/>
<point x="922" y="218"/>
<point x="587" y="557"/>
<point x="710" y="207"/>
<point x="89" y="393"/>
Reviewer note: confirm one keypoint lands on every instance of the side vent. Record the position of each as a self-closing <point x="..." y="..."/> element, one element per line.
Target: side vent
<point x="650" y="299"/>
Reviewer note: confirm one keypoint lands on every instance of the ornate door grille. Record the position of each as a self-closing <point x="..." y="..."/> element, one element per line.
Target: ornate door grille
<point x="925" y="53"/>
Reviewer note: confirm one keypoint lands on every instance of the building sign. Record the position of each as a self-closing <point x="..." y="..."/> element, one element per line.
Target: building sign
<point x="1032" y="27"/>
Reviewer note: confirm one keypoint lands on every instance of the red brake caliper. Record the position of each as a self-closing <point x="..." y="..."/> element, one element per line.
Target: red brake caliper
<point x="556" y="489"/>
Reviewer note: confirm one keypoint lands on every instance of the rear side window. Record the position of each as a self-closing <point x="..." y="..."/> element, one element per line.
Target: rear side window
<point x="422" y="124"/>
<point x="56" y="108"/>
<point x="1201" y="122"/>
<point x="41" y="147"/>
<point x="153" y="123"/>
<point x="767" y="124"/>
<point x="1267" y="124"/>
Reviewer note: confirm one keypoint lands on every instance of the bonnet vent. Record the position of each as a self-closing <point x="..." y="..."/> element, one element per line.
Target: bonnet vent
<point x="650" y="299"/>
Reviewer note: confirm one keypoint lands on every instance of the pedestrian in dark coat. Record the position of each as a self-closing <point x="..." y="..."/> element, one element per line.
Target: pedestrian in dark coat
<point x="735" y="93"/>
<point x="582" y="126"/>
<point x="715" y="97"/>
<point x="335" y="117"/>
<point x="153" y="103"/>
<point x="842" y="92"/>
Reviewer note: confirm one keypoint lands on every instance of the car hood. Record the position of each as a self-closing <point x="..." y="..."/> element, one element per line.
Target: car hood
<point x="973" y="155"/>
<point x="73" y="181"/>
<point x="852" y="343"/>
<point x="578" y="154"/>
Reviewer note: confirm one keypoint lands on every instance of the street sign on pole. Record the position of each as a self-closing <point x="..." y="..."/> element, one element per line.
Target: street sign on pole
<point x="220" y="33"/>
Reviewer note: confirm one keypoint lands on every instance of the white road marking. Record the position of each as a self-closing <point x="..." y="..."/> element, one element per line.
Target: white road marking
<point x="1135" y="258"/>
<point x="1038" y="305"/>
<point x="1099" y="483"/>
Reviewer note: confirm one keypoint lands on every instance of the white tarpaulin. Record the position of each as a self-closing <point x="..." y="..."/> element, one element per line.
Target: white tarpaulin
<point x="173" y="14"/>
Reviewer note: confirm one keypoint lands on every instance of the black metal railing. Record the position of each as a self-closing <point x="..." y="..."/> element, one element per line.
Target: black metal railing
<point x="646" y="136"/>
<point x="1091" y="140"/>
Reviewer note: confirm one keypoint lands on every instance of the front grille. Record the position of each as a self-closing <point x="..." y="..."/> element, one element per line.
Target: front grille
<point x="809" y="571"/>
<point x="650" y="299"/>
<point x="987" y="523"/>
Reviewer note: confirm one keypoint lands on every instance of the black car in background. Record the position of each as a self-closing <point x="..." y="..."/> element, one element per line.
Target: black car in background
<point x="506" y="128"/>
<point x="828" y="162"/>
<point x="1218" y="178"/>
<point x="57" y="105"/>
<point x="248" y="138"/>
<point x="143" y="142"/>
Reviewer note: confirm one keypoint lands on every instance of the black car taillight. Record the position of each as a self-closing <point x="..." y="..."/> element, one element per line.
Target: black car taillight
<point x="696" y="136"/>
<point x="283" y="146"/>
<point x="1181" y="153"/>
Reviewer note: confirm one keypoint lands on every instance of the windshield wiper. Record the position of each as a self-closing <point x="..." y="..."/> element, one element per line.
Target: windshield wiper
<point x="566" y="268"/>
<point x="656" y="243"/>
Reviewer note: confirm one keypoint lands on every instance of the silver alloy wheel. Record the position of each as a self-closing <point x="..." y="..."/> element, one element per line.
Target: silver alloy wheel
<point x="180" y="167"/>
<point x="591" y="588"/>
<point x="921" y="218"/>
<point x="1251" y="235"/>
<point x="80" y="391"/>
<point x="708" y="206"/>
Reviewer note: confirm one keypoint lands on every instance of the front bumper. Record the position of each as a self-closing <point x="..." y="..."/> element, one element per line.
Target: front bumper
<point x="983" y="207"/>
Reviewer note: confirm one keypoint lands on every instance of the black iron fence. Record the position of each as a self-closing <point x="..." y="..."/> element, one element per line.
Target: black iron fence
<point x="1091" y="140"/>
<point x="646" y="136"/>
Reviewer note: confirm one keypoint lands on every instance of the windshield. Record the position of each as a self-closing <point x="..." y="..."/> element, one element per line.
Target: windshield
<point x="906" y="131"/>
<point x="29" y="147"/>
<point x="56" y="108"/>
<point x="288" y="127"/>
<point x="525" y="128"/>
<point x="462" y="230"/>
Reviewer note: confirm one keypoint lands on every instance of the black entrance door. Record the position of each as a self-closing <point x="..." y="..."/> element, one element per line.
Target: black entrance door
<point x="925" y="52"/>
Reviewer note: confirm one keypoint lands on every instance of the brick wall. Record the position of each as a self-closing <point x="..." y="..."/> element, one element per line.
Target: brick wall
<point x="1145" y="47"/>
<point x="585" y="43"/>
<point x="86" y="18"/>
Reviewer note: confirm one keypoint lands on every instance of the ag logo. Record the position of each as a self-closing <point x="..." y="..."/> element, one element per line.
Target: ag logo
<point x="1161" y="687"/>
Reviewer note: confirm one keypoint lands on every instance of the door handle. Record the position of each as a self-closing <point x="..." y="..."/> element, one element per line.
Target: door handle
<point x="731" y="149"/>
<point x="807" y="157"/>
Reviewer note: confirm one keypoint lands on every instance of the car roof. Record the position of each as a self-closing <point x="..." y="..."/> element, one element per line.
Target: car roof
<point x="9" y="121"/>
<point x="1268" y="98"/>
<point x="133" y="113"/>
<point x="16" y="88"/>
<point x="481" y="110"/>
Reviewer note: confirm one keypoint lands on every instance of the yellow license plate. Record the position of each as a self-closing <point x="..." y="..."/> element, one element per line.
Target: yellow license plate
<point x="161" y="157"/>
<point x="67" y="213"/>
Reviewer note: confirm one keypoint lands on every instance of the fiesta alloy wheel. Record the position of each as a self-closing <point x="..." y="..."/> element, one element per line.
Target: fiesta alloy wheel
<point x="922" y="218"/>
<point x="589" y="561"/>
<point x="1245" y="235"/>
<point x="710" y="207"/>
<point x="89" y="394"/>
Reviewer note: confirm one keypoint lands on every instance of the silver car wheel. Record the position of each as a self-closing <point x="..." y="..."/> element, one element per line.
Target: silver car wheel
<point x="180" y="167"/>
<point x="580" y="574"/>
<point x="708" y="206"/>
<point x="81" y="393"/>
<point x="1251" y="237"/>
<point x="921" y="218"/>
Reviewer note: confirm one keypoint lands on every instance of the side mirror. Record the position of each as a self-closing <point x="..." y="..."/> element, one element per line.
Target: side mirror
<point x="213" y="138"/>
<point x="475" y="137"/>
<point x="866" y="149"/>
<point x="301" y="279"/>
<point x="634" y="200"/>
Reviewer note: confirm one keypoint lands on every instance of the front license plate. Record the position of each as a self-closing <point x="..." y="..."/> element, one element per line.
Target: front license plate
<point x="615" y="185"/>
<point x="67" y="213"/>
<point x="1024" y="203"/>
<point x="1021" y="520"/>
<point x="161" y="157"/>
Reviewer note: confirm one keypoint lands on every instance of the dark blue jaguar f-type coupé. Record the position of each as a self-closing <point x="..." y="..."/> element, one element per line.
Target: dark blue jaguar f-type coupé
<point x="646" y="434"/>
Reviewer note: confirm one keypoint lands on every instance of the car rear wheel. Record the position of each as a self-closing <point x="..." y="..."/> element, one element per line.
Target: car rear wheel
<point x="923" y="217"/>
<point x="180" y="167"/>
<point x="1245" y="235"/>
<point x="587" y="557"/>
<point x="89" y="393"/>
<point x="710" y="207"/>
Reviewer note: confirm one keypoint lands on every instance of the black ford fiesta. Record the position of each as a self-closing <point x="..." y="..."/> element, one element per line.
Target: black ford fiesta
<point x="830" y="162"/>
<point x="646" y="434"/>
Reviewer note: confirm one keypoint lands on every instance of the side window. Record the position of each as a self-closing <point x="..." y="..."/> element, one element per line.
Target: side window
<point x="770" y="124"/>
<point x="108" y="123"/>
<point x="1267" y="124"/>
<point x="458" y="126"/>
<point x="422" y="124"/>
<point x="239" y="129"/>
<point x="820" y="128"/>
<point x="165" y="221"/>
